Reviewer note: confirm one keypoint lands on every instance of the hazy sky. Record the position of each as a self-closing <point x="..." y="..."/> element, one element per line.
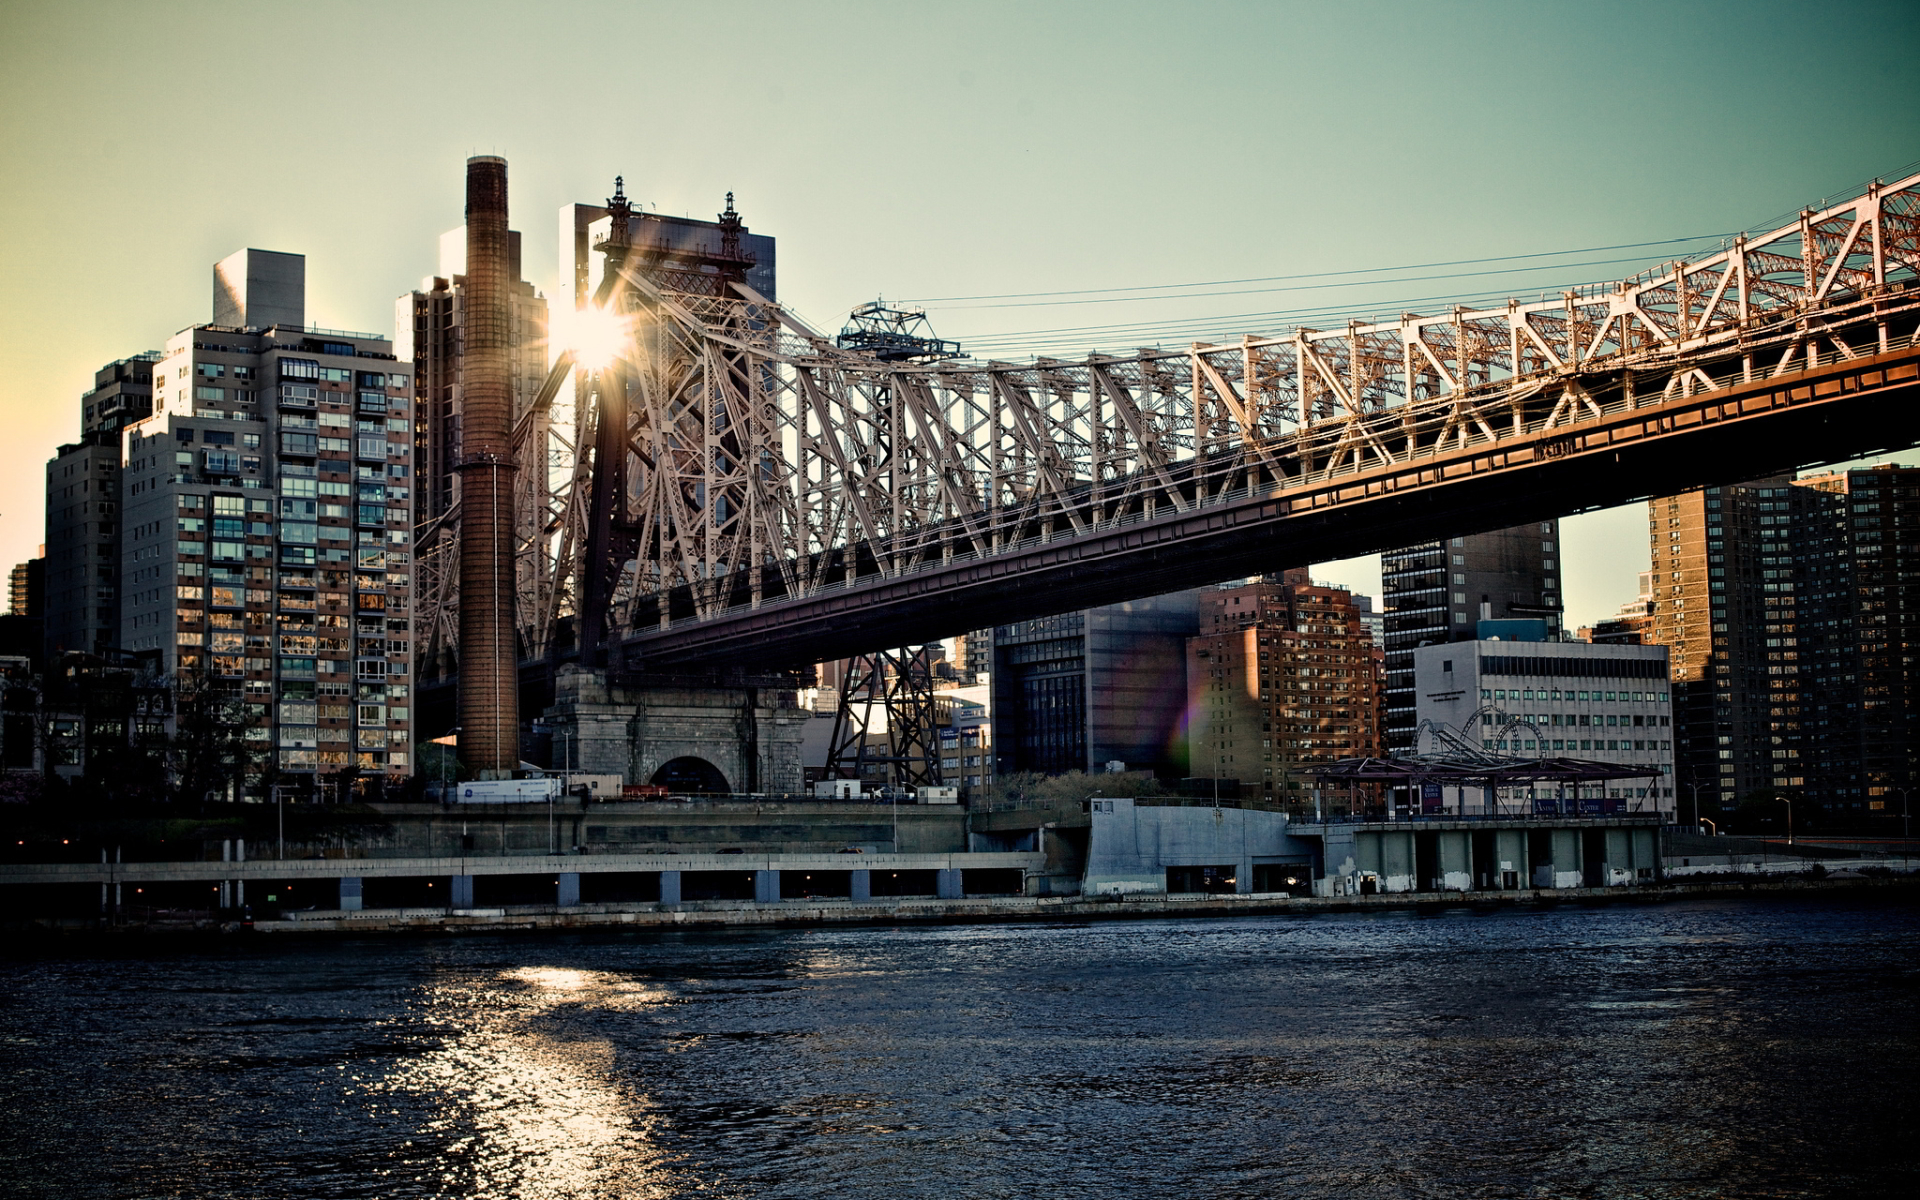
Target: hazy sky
<point x="919" y="151"/>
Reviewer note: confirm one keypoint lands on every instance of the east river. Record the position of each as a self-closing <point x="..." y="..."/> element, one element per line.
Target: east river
<point x="1700" y="1048"/>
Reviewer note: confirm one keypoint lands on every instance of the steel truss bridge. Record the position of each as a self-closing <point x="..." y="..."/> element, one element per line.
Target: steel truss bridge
<point x="736" y="489"/>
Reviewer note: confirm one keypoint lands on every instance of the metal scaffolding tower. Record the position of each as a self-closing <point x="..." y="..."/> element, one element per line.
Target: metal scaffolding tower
<point x="896" y="686"/>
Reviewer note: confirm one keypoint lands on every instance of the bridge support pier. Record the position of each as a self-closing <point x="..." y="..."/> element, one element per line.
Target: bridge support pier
<point x="748" y="738"/>
<point x="567" y="894"/>
<point x="860" y="885"/>
<point x="669" y="887"/>
<point x="766" y="887"/>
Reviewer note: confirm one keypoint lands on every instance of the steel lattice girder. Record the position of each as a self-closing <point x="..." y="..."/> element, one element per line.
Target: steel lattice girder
<point x="770" y="469"/>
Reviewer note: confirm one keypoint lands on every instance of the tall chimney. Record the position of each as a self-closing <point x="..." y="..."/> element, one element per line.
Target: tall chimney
<point x="489" y="658"/>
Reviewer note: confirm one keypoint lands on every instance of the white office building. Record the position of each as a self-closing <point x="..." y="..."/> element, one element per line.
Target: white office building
<point x="1602" y="703"/>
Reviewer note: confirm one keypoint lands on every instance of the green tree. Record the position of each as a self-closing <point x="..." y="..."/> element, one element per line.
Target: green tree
<point x="1031" y="787"/>
<point x="208" y="754"/>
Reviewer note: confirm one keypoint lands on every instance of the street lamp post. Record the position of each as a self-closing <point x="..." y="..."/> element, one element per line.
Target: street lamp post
<point x="1789" y="803"/>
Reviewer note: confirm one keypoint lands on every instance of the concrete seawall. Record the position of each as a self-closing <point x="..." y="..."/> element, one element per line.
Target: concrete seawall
<point x="721" y="915"/>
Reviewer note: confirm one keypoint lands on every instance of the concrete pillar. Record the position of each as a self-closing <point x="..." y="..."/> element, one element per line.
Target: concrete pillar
<point x="1366" y="854"/>
<point x="1566" y="858"/>
<point x="568" y="893"/>
<point x="669" y="887"/>
<point x="462" y="892"/>
<point x="1510" y="854"/>
<point x="1646" y="851"/>
<point x="947" y="884"/>
<point x="1396" y="862"/>
<point x="1619" y="857"/>
<point x="350" y="898"/>
<point x="1456" y="860"/>
<point x="766" y="887"/>
<point x="1243" y="877"/>
<point x="860" y="885"/>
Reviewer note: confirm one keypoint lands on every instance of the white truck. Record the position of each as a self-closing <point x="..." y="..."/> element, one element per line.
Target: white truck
<point x="508" y="791"/>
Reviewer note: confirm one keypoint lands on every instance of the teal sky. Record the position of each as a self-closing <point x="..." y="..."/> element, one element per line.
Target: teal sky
<point x="913" y="151"/>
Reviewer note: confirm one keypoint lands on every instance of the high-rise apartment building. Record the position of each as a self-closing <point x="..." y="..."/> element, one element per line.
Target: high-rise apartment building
<point x="427" y="324"/>
<point x="83" y="545"/>
<point x="122" y="393"/>
<point x="428" y="328"/>
<point x="973" y="657"/>
<point x="26" y="587"/>
<point x="1706" y="550"/>
<point x="1866" y="612"/>
<point x="1440" y="592"/>
<point x="82" y="520"/>
<point x="267" y="527"/>
<point x="1789" y="607"/>
<point x="1283" y="677"/>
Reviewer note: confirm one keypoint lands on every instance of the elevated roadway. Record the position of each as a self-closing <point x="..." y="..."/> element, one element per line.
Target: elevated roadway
<point x="1622" y="448"/>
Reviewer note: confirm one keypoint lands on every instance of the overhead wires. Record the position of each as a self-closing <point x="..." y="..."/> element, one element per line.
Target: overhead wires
<point x="1074" y="339"/>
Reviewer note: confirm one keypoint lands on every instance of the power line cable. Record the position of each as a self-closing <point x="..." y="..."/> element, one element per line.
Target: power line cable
<point x="1309" y="287"/>
<point x="1460" y="262"/>
<point x="1300" y="316"/>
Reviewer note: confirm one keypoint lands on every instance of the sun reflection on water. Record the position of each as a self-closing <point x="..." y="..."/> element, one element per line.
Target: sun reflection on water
<point x="518" y="1108"/>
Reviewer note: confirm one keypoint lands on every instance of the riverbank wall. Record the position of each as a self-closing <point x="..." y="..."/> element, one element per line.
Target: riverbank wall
<point x="736" y="915"/>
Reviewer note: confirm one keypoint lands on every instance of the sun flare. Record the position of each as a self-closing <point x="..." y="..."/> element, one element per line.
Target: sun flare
<point x="597" y="337"/>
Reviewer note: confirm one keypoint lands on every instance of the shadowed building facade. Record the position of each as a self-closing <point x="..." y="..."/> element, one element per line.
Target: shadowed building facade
<point x="1284" y="677"/>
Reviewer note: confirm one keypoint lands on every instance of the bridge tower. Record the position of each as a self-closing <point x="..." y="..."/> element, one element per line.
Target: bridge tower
<point x="639" y="490"/>
<point x="898" y="682"/>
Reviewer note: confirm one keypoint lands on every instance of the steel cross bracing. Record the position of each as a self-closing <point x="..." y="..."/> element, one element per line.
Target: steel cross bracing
<point x="787" y="499"/>
<point x="900" y="684"/>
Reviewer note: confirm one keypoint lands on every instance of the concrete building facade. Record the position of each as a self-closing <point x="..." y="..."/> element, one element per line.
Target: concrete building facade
<point x="1785" y="603"/>
<point x="1283" y="677"/>
<point x="83" y="527"/>
<point x="1861" y="709"/>
<point x="122" y="393"/>
<point x="1440" y="591"/>
<point x="83" y="533"/>
<point x="1605" y="703"/>
<point x="268" y="528"/>
<point x="1081" y="690"/>
<point x="1133" y="848"/>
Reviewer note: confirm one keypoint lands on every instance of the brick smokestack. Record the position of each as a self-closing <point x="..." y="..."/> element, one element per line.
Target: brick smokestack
<point x="489" y="658"/>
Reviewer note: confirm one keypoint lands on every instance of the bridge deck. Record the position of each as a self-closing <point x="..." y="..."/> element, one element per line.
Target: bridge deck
<point x="1632" y="449"/>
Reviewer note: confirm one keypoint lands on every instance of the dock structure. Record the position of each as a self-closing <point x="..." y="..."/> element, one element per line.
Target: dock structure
<point x="760" y="857"/>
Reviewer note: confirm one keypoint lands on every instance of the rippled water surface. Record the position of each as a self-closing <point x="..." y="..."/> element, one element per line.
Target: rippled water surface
<point x="1692" y="1049"/>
